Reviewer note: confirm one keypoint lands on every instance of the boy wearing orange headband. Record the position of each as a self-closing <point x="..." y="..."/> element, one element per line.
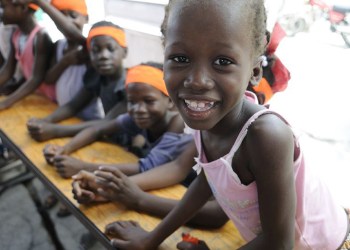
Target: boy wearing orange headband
<point x="30" y="49"/>
<point x="68" y="63"/>
<point x="104" y="79"/>
<point x="149" y="114"/>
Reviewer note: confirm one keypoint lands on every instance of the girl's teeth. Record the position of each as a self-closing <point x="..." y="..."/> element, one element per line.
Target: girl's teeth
<point x="199" y="105"/>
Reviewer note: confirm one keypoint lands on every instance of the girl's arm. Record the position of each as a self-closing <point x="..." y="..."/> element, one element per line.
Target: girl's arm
<point x="43" y="49"/>
<point x="63" y="24"/>
<point x="131" y="235"/>
<point x="270" y="146"/>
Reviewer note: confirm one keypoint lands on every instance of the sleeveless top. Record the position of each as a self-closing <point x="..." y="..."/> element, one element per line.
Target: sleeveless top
<point x="70" y="82"/>
<point x="319" y="222"/>
<point x="25" y="57"/>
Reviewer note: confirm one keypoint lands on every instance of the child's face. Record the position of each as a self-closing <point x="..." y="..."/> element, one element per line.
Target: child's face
<point x="78" y="19"/>
<point x="147" y="105"/>
<point x="208" y="61"/>
<point x="106" y="55"/>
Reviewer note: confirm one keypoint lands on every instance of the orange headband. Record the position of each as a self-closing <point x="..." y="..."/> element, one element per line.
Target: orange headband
<point x="115" y="33"/>
<point x="265" y="88"/>
<point x="33" y="6"/>
<point x="147" y="75"/>
<point x="76" y="5"/>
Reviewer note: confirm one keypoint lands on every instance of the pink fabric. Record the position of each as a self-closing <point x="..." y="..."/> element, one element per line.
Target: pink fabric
<point x="26" y="60"/>
<point x="319" y="222"/>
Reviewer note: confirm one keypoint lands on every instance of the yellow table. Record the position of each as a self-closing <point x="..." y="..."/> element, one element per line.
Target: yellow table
<point x="94" y="217"/>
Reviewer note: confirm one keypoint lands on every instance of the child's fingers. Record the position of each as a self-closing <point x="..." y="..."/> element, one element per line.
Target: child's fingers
<point x="59" y="159"/>
<point x="77" y="188"/>
<point x="107" y="178"/>
<point x="115" y="171"/>
<point x="118" y="243"/>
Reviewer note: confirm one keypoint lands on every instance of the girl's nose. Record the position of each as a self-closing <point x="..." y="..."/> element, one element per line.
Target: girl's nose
<point x="199" y="79"/>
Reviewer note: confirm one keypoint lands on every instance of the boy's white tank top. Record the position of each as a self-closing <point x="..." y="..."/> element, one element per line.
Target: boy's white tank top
<point x="320" y="223"/>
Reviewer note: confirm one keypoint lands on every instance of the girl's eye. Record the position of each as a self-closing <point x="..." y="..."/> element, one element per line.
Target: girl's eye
<point x="222" y="62"/>
<point x="181" y="59"/>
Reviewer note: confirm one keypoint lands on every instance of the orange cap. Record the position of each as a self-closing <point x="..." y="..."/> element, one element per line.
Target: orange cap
<point x="265" y="88"/>
<point x="147" y="75"/>
<point x="33" y="6"/>
<point x="114" y="32"/>
<point x="76" y="5"/>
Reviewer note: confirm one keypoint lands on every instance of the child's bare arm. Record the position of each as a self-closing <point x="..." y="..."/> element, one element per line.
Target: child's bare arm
<point x="118" y="109"/>
<point x="68" y="29"/>
<point x="70" y="109"/>
<point x="43" y="49"/>
<point x="91" y="134"/>
<point x="168" y="174"/>
<point x="74" y="57"/>
<point x="131" y="236"/>
<point x="8" y="68"/>
<point x="271" y="150"/>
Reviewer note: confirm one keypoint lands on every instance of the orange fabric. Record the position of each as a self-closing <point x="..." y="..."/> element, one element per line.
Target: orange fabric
<point x="265" y="88"/>
<point x="76" y="5"/>
<point x="115" y="33"/>
<point x="147" y="75"/>
<point x="33" y="6"/>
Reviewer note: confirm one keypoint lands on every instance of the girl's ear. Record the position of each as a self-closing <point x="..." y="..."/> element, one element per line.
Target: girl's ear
<point x="256" y="74"/>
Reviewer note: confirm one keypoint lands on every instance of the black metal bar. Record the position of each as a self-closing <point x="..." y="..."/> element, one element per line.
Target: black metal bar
<point x="73" y="209"/>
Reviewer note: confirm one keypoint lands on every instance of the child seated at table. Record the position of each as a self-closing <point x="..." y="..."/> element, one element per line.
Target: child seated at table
<point x="30" y="48"/>
<point x="107" y="48"/>
<point x="68" y="64"/>
<point x="150" y="114"/>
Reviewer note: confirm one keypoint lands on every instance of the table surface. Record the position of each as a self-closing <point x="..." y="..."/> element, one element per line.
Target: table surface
<point x="95" y="217"/>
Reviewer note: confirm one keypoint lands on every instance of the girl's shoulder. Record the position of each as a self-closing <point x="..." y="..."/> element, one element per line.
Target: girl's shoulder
<point x="269" y="131"/>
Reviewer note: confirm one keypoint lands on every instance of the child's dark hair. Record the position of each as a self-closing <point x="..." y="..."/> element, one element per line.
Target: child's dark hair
<point x="154" y="64"/>
<point x="256" y="13"/>
<point x="105" y="23"/>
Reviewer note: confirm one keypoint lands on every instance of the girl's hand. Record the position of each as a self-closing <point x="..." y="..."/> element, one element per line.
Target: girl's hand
<point x="129" y="236"/>
<point x="50" y="151"/>
<point x="84" y="188"/>
<point x="116" y="186"/>
<point x="67" y="166"/>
